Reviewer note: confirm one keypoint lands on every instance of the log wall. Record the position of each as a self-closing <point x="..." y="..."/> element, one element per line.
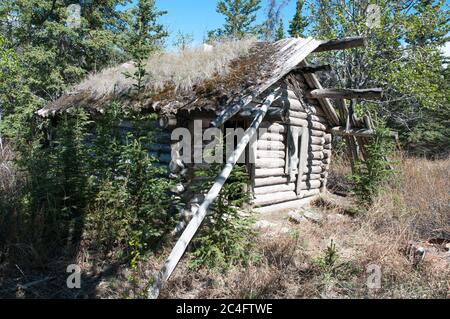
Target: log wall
<point x="273" y="186"/>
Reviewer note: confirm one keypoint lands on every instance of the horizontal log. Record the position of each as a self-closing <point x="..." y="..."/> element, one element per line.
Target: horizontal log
<point x="349" y="94"/>
<point x="306" y="123"/>
<point x="268" y="136"/>
<point x="327" y="147"/>
<point x="306" y="116"/>
<point x="274" y="198"/>
<point x="342" y="44"/>
<point x="271" y="154"/>
<point x="270" y="145"/>
<point x="341" y="131"/>
<point x="317" y="133"/>
<point x="316" y="156"/>
<point x="311" y="184"/>
<point x="270" y="163"/>
<point x="314" y="169"/>
<point x="271" y="181"/>
<point x="273" y="127"/>
<point x="309" y="193"/>
<point x="328" y="139"/>
<point x="269" y="172"/>
<point x="317" y="140"/>
<point x="312" y="162"/>
<point x="294" y="204"/>
<point x="311" y="177"/>
<point x="315" y="148"/>
<point x="274" y="189"/>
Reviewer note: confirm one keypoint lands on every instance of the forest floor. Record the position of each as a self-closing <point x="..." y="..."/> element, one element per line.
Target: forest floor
<point x="399" y="248"/>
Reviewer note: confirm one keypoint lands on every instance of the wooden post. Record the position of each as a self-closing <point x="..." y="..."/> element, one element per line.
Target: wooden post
<point x="200" y="215"/>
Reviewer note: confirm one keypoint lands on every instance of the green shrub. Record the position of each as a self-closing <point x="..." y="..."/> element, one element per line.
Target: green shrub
<point x="227" y="236"/>
<point x="371" y="174"/>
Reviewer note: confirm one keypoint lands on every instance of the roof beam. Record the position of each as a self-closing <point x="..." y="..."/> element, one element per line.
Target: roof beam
<point x="314" y="68"/>
<point x="348" y="94"/>
<point x="342" y="44"/>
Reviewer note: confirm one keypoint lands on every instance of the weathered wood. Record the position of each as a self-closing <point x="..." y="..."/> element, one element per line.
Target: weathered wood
<point x="268" y="136"/>
<point x="259" y="182"/>
<point x="270" y="145"/>
<point x="309" y="193"/>
<point x="305" y="116"/>
<point x="311" y="184"/>
<point x="317" y="140"/>
<point x="342" y="44"/>
<point x="273" y="127"/>
<point x="316" y="155"/>
<point x="328" y="108"/>
<point x="200" y="215"/>
<point x="168" y="121"/>
<point x="348" y="94"/>
<point x="302" y="165"/>
<point x="271" y="154"/>
<point x="314" y="170"/>
<point x="269" y="172"/>
<point x="311" y="177"/>
<point x="274" y="198"/>
<point x="317" y="133"/>
<point x="341" y="131"/>
<point x="294" y="204"/>
<point x="269" y="162"/>
<point x="287" y="58"/>
<point x="269" y="189"/>
<point x="314" y="68"/>
<point x="315" y="148"/>
<point x="306" y="123"/>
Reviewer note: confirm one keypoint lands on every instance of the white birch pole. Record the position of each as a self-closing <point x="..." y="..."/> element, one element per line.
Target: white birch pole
<point x="197" y="219"/>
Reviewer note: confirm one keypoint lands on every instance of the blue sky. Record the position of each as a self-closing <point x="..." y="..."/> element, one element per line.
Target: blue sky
<point x="200" y="16"/>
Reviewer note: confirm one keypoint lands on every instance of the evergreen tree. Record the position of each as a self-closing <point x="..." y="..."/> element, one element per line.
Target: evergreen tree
<point x="403" y="57"/>
<point x="280" y="31"/>
<point x="271" y="26"/>
<point x="298" y="25"/>
<point x="240" y="16"/>
<point x="57" y="53"/>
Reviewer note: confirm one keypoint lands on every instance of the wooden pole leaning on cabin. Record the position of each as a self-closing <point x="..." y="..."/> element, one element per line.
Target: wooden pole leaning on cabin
<point x="201" y="213"/>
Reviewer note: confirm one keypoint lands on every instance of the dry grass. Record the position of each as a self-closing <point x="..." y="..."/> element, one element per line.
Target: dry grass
<point x="182" y="70"/>
<point x="414" y="208"/>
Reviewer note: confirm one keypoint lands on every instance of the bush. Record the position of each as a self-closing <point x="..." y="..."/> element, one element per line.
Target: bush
<point x="227" y="235"/>
<point x="370" y="174"/>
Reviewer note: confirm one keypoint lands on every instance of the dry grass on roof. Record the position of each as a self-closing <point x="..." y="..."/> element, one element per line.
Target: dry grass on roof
<point x="183" y="69"/>
<point x="193" y="77"/>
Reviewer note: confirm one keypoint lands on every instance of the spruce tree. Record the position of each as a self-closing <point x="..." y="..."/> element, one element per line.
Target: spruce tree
<point x="280" y="31"/>
<point x="240" y="16"/>
<point x="299" y="23"/>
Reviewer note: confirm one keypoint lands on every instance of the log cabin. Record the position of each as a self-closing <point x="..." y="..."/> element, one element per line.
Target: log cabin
<point x="291" y="153"/>
<point x="267" y="89"/>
